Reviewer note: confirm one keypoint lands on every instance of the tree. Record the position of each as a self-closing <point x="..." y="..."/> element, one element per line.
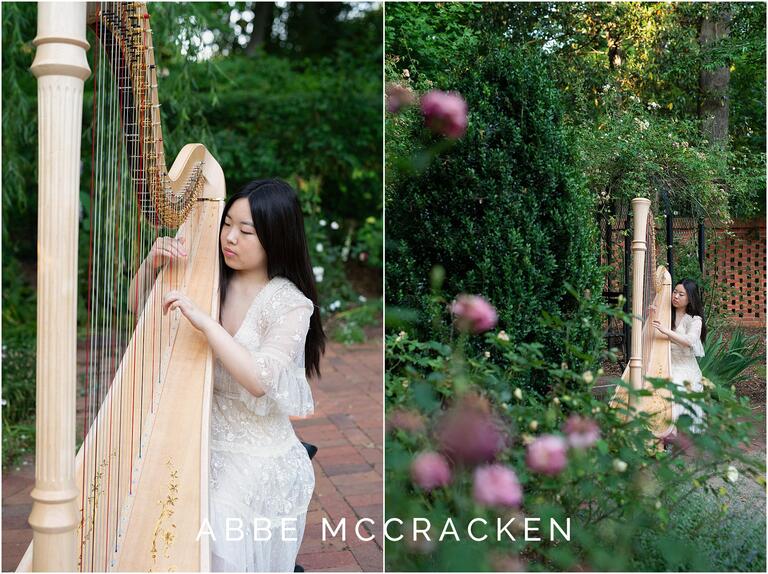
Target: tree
<point x="264" y="16"/>
<point x="713" y="106"/>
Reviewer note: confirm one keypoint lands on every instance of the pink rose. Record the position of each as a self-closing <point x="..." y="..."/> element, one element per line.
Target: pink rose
<point x="445" y="113"/>
<point x="547" y="454"/>
<point x="470" y="436"/>
<point x="405" y="419"/>
<point x="582" y="432"/>
<point x="474" y="314"/>
<point x="497" y="485"/>
<point x="398" y="97"/>
<point x="430" y="470"/>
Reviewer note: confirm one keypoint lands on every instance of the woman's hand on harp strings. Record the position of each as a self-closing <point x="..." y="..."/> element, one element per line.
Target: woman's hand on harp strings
<point x="661" y="328"/>
<point x="166" y="249"/>
<point x="163" y="250"/>
<point x="675" y="337"/>
<point x="235" y="358"/>
<point x="177" y="300"/>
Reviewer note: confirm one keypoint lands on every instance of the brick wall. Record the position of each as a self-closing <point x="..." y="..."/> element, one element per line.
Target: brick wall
<point x="738" y="262"/>
<point x="735" y="258"/>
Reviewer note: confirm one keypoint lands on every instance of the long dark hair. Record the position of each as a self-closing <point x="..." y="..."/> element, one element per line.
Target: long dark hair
<point x="279" y="226"/>
<point x="695" y="305"/>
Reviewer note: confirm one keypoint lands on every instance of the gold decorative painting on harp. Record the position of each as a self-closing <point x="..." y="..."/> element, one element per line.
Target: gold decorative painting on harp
<point x="135" y="495"/>
<point x="651" y="300"/>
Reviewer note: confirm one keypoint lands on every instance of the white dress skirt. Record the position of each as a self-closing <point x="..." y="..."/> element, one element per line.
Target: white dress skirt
<point x="684" y="369"/>
<point x="261" y="478"/>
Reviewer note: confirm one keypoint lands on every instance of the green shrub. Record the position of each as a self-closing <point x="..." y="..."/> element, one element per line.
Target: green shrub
<point x="18" y="404"/>
<point x="274" y="118"/>
<point x="501" y="210"/>
<point x="639" y="152"/>
<point x="368" y="247"/>
<point x="19" y="361"/>
<point x="348" y="326"/>
<point x="18" y="441"/>
<point x="19" y="378"/>
<point x="327" y="251"/>
<point x="710" y="532"/>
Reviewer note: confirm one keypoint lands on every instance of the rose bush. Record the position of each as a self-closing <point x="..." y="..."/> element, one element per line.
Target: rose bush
<point x="553" y="450"/>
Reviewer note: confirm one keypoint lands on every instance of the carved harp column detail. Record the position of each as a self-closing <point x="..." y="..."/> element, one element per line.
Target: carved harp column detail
<point x="61" y="68"/>
<point x="640" y="208"/>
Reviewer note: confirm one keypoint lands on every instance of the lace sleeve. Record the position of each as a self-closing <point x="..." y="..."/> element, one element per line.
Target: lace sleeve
<point x="693" y="336"/>
<point x="279" y="359"/>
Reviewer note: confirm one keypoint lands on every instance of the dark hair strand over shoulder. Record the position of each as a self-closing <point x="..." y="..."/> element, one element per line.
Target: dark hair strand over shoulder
<point x="279" y="224"/>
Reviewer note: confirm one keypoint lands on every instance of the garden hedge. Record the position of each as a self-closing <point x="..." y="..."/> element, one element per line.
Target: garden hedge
<point x="503" y="210"/>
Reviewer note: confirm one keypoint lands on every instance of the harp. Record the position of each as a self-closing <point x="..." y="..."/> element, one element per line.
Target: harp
<point x="650" y="351"/>
<point x="134" y="496"/>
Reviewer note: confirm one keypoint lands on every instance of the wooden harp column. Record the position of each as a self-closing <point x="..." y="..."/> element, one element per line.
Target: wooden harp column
<point x="167" y="456"/>
<point x="61" y="68"/>
<point x="640" y="209"/>
<point x="650" y="351"/>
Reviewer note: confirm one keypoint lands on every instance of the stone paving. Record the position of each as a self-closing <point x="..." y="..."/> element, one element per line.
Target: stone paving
<point x="349" y="466"/>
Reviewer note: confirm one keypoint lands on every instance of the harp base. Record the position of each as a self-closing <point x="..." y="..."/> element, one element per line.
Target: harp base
<point x="53" y="520"/>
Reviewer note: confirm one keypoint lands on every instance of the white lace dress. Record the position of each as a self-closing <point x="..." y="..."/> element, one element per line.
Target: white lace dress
<point x="261" y="479"/>
<point x="684" y="368"/>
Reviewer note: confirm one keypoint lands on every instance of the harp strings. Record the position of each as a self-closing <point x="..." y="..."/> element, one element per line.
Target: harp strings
<point x="119" y="394"/>
<point x="649" y="292"/>
<point x="133" y="203"/>
<point x="92" y="382"/>
<point x="89" y="351"/>
<point x="103" y="300"/>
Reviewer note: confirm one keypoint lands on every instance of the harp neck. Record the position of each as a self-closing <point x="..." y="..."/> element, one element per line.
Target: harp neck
<point x="124" y="30"/>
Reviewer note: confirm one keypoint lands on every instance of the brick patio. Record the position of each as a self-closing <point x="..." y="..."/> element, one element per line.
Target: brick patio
<point x="347" y="428"/>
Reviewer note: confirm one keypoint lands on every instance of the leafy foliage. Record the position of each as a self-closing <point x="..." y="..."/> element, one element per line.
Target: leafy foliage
<point x="267" y="114"/>
<point x="18" y="441"/>
<point x="715" y="532"/>
<point x="274" y="117"/>
<point x="636" y="152"/>
<point x="426" y="37"/>
<point x="626" y="500"/>
<point x="18" y="403"/>
<point x="649" y="53"/>
<point x="502" y="209"/>
<point x="725" y="361"/>
<point x="348" y="326"/>
<point x="305" y="107"/>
